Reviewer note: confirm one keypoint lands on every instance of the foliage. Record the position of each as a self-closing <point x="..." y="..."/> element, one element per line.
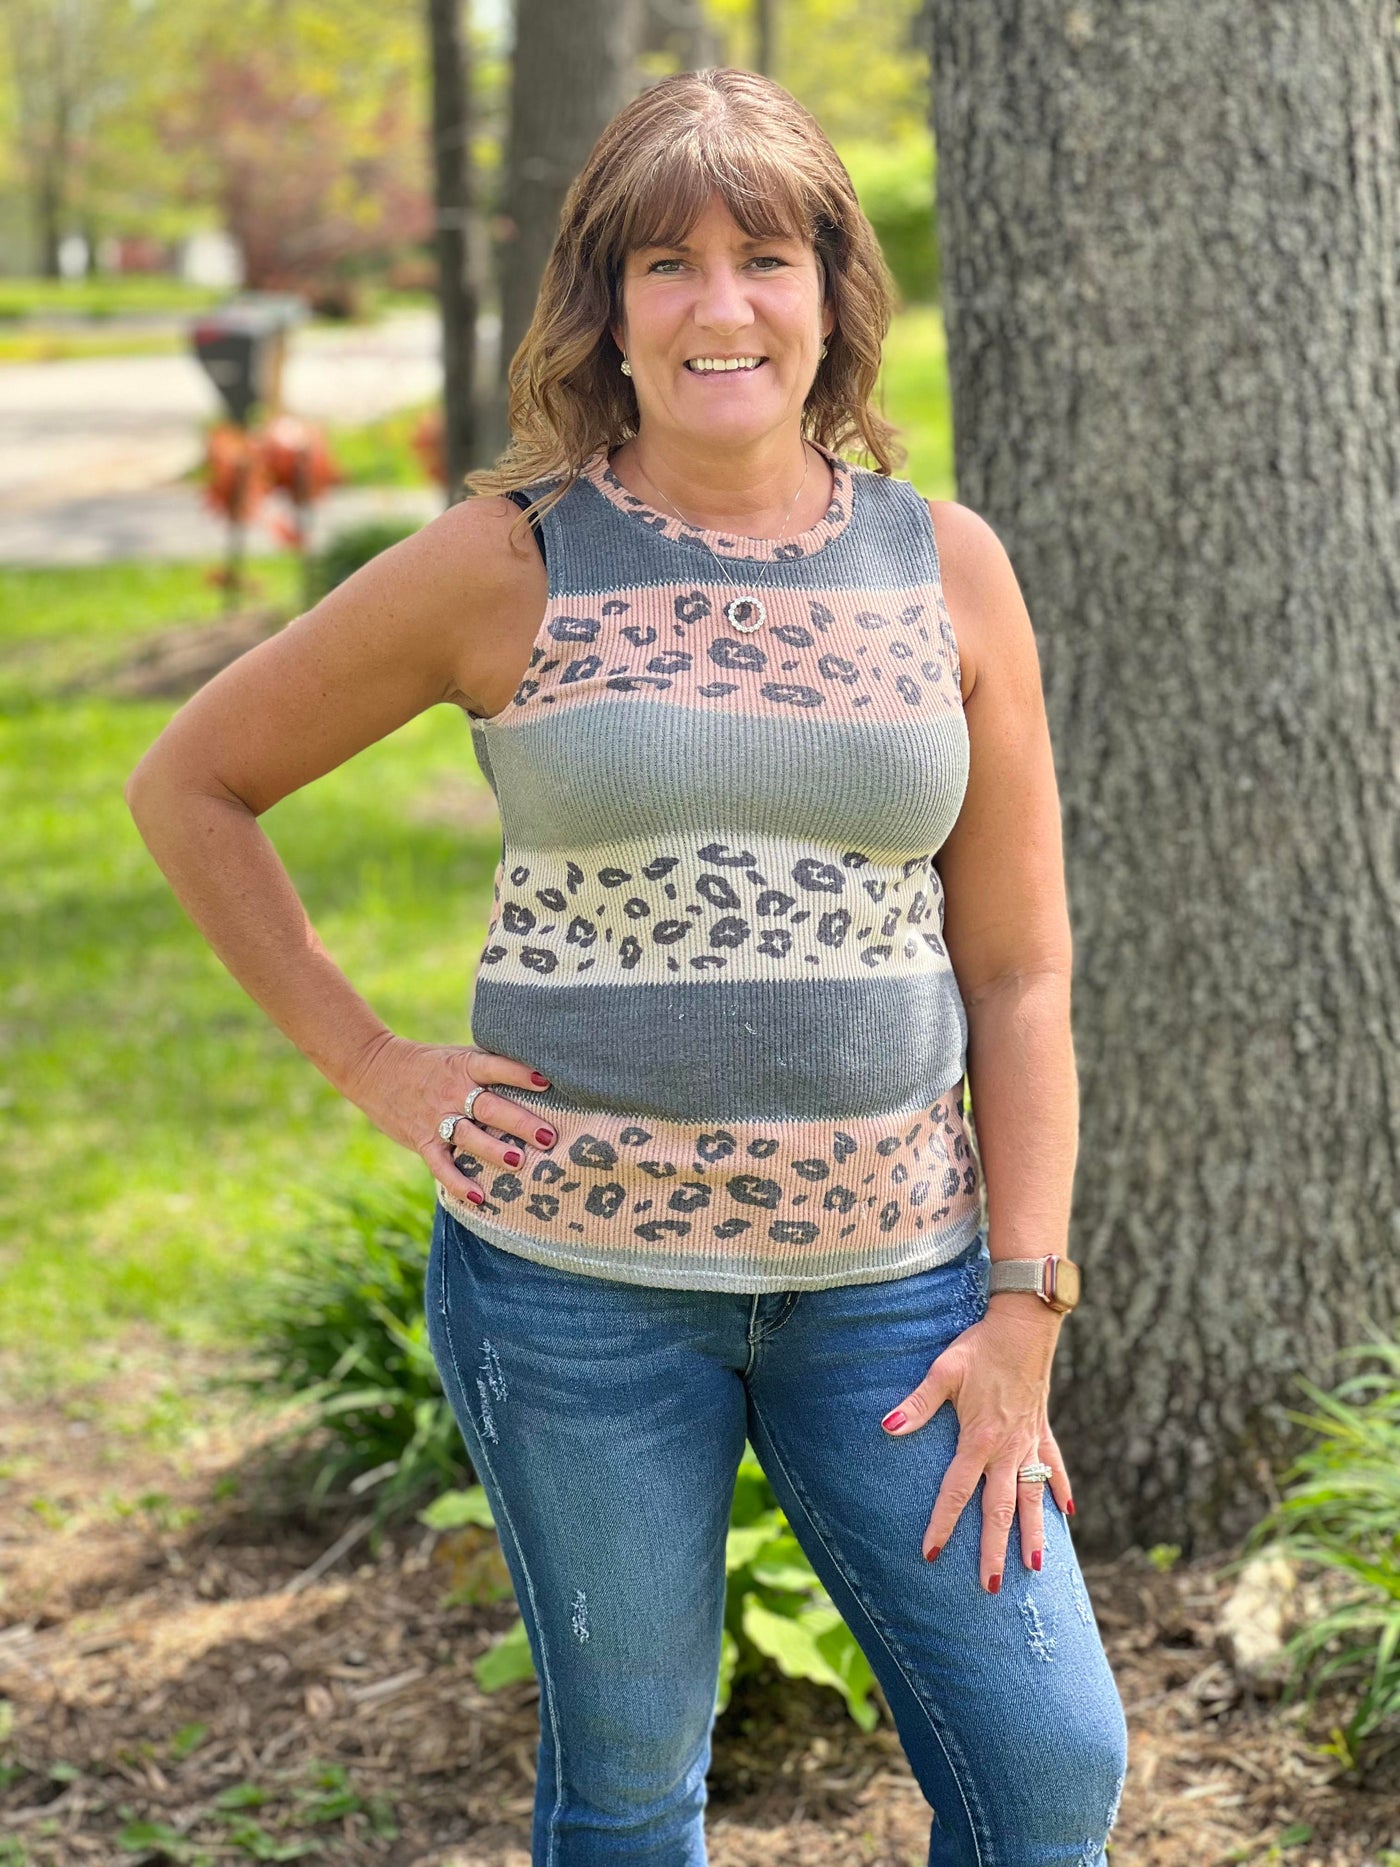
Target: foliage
<point x="776" y="1610"/>
<point x="352" y="548"/>
<point x="1341" y="1512"/>
<point x="339" y="1325"/>
<point x="894" y="183"/>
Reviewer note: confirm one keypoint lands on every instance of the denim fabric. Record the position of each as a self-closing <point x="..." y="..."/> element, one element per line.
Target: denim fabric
<point x="606" y="1421"/>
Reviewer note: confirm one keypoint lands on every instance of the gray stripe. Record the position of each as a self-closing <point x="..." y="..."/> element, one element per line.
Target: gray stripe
<point x="617" y="770"/>
<point x="600" y="549"/>
<point x="781" y="1050"/>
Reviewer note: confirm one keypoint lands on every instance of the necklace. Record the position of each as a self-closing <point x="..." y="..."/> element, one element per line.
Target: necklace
<point x="745" y="612"/>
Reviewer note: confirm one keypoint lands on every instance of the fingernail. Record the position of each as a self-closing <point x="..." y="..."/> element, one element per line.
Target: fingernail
<point x="544" y="1136"/>
<point x="535" y="1077"/>
<point x="994" y="1584"/>
<point x="477" y="1198"/>
<point x="513" y="1157"/>
<point x="931" y="1553"/>
<point x="891" y="1420"/>
<point x="1035" y="1558"/>
<point x="1069" y="1506"/>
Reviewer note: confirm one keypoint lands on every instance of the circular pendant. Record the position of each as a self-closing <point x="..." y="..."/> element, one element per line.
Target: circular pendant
<point x="746" y="613"/>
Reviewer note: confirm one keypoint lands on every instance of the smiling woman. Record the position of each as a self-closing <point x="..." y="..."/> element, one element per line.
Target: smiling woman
<point x="703" y="1173"/>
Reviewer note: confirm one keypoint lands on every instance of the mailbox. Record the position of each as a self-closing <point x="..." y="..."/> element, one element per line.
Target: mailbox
<point x="243" y="345"/>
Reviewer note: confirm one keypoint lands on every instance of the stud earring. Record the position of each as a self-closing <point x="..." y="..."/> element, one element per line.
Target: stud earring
<point x="626" y="367"/>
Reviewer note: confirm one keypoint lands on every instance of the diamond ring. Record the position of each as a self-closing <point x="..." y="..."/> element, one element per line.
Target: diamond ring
<point x="1036" y="1474"/>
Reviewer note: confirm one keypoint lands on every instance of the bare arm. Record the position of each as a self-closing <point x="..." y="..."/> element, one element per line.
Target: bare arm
<point x="382" y="647"/>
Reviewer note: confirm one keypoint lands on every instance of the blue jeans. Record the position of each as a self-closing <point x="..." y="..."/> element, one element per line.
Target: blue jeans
<point x="606" y="1421"/>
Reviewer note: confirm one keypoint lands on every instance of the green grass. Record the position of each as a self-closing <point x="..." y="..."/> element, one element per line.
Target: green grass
<point x="157" y="1133"/>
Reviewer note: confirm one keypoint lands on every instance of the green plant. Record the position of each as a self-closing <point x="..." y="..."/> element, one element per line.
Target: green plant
<point x="344" y="554"/>
<point x="339" y="1325"/>
<point x="1341" y="1511"/>
<point x="776" y="1610"/>
<point x="894" y="182"/>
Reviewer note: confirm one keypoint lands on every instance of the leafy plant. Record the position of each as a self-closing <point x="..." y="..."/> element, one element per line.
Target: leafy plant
<point x="1341" y="1511"/>
<point x="776" y="1610"/>
<point x="340" y="1326"/>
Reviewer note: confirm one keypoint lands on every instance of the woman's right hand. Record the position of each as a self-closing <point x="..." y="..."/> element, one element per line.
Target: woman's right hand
<point x="407" y="1088"/>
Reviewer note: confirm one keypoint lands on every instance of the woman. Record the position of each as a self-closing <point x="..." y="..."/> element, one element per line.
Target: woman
<point x="703" y="1174"/>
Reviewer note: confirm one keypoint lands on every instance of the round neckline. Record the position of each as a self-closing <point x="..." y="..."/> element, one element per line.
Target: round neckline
<point x="597" y="469"/>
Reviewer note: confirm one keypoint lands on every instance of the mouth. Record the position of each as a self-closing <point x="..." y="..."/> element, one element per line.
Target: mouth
<point x="737" y="367"/>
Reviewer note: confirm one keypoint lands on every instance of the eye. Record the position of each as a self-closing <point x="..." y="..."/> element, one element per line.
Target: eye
<point x="662" y="262"/>
<point x="771" y="256"/>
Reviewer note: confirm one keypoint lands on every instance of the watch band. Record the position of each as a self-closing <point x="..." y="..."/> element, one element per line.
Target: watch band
<point x="1055" y="1280"/>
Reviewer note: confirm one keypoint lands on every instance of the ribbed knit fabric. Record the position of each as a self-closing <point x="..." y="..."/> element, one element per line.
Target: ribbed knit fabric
<point x="716" y="922"/>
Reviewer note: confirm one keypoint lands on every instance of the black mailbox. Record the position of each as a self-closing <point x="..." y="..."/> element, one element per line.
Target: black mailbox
<point x="242" y="346"/>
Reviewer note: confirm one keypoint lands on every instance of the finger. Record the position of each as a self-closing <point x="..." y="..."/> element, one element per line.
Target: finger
<point x="493" y="1110"/>
<point x="445" y="1171"/>
<point x="998" y="1515"/>
<point x="1059" y="1484"/>
<point x="1030" y="1512"/>
<point x="919" y="1406"/>
<point x="959" y="1483"/>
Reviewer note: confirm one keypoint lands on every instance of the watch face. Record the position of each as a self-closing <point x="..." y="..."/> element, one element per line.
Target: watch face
<point x="1064" y="1282"/>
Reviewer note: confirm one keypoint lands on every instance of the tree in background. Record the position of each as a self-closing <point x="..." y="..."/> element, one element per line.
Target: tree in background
<point x="457" y="288"/>
<point x="575" y="64"/>
<point x="1168" y="249"/>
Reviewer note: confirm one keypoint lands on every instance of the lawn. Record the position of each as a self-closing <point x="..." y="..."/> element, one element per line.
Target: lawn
<point x="161" y="1135"/>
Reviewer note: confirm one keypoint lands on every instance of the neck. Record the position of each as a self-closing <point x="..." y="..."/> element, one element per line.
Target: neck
<point x="756" y="490"/>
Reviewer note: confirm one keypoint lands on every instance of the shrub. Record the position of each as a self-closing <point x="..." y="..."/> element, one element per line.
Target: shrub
<point x="344" y="554"/>
<point x="1341" y="1511"/>
<point x="895" y="186"/>
<point x="340" y="1325"/>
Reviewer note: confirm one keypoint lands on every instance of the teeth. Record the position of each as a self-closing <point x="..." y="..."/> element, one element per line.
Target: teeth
<point x="729" y="363"/>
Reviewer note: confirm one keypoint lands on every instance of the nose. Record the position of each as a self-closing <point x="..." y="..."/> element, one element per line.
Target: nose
<point x="722" y="303"/>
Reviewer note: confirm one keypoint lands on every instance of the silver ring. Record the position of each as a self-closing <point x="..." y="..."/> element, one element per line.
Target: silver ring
<point x="448" y="1125"/>
<point x="1036" y="1474"/>
<point x="470" y="1102"/>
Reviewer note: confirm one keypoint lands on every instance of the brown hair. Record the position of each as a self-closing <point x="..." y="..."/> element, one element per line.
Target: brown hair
<point x="647" y="180"/>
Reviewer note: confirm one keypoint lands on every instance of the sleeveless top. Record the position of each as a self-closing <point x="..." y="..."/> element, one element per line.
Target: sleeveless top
<point x="715" y="922"/>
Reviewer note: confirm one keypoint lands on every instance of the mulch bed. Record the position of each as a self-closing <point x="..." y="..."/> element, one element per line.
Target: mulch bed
<point x="174" y="1627"/>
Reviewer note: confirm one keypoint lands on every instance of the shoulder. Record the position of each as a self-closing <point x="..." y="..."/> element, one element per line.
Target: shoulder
<point x="980" y="588"/>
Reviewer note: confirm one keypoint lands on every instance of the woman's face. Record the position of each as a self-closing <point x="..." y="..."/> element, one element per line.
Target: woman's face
<point x="722" y="295"/>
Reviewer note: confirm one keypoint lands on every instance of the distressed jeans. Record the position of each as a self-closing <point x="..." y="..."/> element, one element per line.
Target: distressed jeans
<point x="606" y="1421"/>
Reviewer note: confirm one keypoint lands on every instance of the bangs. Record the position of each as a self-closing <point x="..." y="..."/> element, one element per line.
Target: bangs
<point x="767" y="197"/>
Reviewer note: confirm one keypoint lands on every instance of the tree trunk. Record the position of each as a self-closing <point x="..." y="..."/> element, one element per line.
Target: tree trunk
<point x="457" y="295"/>
<point x="574" y="66"/>
<point x="765" y="20"/>
<point x="1169" y="263"/>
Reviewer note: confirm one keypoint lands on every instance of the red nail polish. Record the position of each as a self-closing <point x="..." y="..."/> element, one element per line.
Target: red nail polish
<point x="1035" y="1558"/>
<point x="1069" y="1506"/>
<point x="535" y="1077"/>
<point x="994" y="1583"/>
<point x="477" y="1197"/>
<point x="893" y="1419"/>
<point x="513" y="1157"/>
<point x="931" y="1553"/>
<point x="544" y="1136"/>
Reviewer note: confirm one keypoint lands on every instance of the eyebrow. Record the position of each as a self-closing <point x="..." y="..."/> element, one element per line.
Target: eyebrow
<point x="679" y="246"/>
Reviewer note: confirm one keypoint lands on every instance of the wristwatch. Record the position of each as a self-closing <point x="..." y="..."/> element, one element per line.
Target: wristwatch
<point x="1053" y="1279"/>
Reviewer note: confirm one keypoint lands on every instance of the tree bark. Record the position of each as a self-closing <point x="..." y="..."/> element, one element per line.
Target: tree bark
<point x="457" y="294"/>
<point x="1169" y="275"/>
<point x="574" y="66"/>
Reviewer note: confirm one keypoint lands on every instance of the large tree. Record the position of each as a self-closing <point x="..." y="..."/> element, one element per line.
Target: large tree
<point x="1169" y="262"/>
<point x="574" y="66"/>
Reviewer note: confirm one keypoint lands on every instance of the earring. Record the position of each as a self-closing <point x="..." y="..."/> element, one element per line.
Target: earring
<point x="626" y="367"/>
<point x="822" y="352"/>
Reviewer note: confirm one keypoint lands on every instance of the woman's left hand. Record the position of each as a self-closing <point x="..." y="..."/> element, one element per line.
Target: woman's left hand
<point x="997" y="1374"/>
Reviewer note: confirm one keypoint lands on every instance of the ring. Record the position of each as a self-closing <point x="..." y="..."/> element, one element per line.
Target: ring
<point x="447" y="1126"/>
<point x="470" y="1102"/>
<point x="1036" y="1474"/>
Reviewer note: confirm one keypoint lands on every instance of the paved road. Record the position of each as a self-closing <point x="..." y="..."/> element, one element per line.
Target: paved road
<point x="89" y="449"/>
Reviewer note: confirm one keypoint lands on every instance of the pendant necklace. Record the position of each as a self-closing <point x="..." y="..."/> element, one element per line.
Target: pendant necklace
<point x="746" y="612"/>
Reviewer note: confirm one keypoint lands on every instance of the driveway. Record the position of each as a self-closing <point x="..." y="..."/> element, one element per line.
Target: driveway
<point x="89" y="449"/>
